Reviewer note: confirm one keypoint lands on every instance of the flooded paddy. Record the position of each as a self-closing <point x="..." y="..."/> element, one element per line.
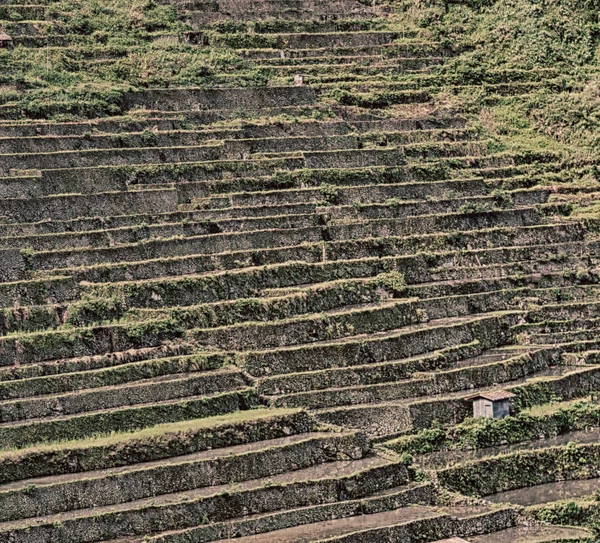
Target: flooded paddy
<point x="546" y="493"/>
<point x="443" y="459"/>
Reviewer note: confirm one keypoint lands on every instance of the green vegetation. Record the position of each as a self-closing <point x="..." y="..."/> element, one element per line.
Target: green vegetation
<point x="522" y="469"/>
<point x="112" y="47"/>
<point x="548" y="421"/>
<point x="551" y="44"/>
<point x="583" y="512"/>
<point x="367" y="210"/>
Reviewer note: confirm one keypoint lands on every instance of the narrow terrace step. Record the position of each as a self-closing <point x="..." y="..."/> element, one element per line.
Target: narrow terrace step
<point x="26" y="37"/>
<point x="390" y="195"/>
<point x="433" y="151"/>
<point x="199" y="18"/>
<point x="508" y="260"/>
<point x="423" y="80"/>
<point x="407" y="524"/>
<point x="548" y="493"/>
<point x="91" y="180"/>
<point x="432" y="297"/>
<point x="136" y="122"/>
<point x="28" y="12"/>
<point x="90" y="51"/>
<point x="73" y="206"/>
<point x="242" y="147"/>
<point x="340" y="250"/>
<point x="319" y="25"/>
<point x="159" y="389"/>
<point x="159" y="442"/>
<point x="215" y="219"/>
<point x="69" y="342"/>
<point x="390" y="419"/>
<point x="372" y="373"/>
<point x="62" y="38"/>
<point x="472" y="240"/>
<point x="404" y="183"/>
<point x="110" y="237"/>
<point x="115" y="141"/>
<point x="446" y="459"/>
<point x="68" y="427"/>
<point x="121" y="128"/>
<point x="109" y="177"/>
<point x="55" y="289"/>
<point x="579" y="310"/>
<point x="493" y="246"/>
<point x="404" y="523"/>
<point x="591" y="356"/>
<point x="383" y="93"/>
<point x="402" y="189"/>
<point x="465" y="206"/>
<point x="303" y="326"/>
<point x="111" y="369"/>
<point x="206" y="99"/>
<point x="404" y="49"/>
<point x="226" y="242"/>
<point x="546" y="252"/>
<point x="315" y="40"/>
<point x="558" y="326"/>
<point x="410" y="494"/>
<point x="347" y="321"/>
<point x="494" y="164"/>
<point x="381" y="201"/>
<point x="109" y="157"/>
<point x="245" y="283"/>
<point x="177" y="246"/>
<point x="89" y="311"/>
<point x="514" y="269"/>
<point x="319" y="484"/>
<point x="468" y="374"/>
<point x="223" y="466"/>
<point x="25" y="2"/>
<point x="195" y="180"/>
<point x="380" y="100"/>
<point x="119" y="138"/>
<point x="190" y="147"/>
<point x="534" y="534"/>
<point x="351" y="65"/>
<point x="378" y="55"/>
<point x="274" y="306"/>
<point x="27" y="28"/>
<point x="370" y="201"/>
<point x="354" y="158"/>
<point x="431" y="224"/>
<point x="376" y="347"/>
<point x="561" y="332"/>
<point x="509" y="288"/>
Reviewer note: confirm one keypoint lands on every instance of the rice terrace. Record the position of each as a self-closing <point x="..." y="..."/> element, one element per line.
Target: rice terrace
<point x="299" y="271"/>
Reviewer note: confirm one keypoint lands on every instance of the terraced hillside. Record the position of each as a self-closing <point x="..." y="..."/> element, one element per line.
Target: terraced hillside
<point x="255" y="258"/>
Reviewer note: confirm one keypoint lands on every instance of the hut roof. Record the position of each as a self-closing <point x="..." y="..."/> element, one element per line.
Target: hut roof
<point x="493" y="395"/>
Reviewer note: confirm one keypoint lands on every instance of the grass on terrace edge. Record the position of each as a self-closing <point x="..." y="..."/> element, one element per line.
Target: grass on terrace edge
<point x="158" y="432"/>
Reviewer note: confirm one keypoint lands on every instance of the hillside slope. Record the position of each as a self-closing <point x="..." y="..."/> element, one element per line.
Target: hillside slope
<point x="257" y="257"/>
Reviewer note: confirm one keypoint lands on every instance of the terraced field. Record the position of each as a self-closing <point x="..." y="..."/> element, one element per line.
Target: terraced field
<point x="246" y="309"/>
